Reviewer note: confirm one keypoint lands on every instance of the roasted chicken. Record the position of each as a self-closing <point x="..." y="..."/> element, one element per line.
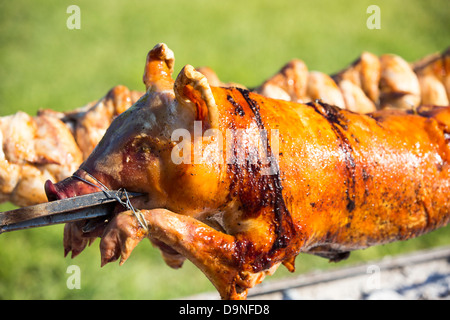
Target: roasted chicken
<point x="370" y="83"/>
<point x="35" y="149"/>
<point x="239" y="183"/>
<point x="51" y="145"/>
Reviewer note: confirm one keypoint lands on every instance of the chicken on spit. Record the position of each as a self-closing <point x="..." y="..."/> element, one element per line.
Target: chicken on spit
<point x="368" y="84"/>
<point x="51" y="145"/>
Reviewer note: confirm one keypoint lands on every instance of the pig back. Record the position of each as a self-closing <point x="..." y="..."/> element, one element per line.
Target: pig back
<point x="342" y="181"/>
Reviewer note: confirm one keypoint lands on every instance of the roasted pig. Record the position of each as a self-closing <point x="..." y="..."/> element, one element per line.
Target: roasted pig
<point x="239" y="183"/>
<point x="368" y="84"/>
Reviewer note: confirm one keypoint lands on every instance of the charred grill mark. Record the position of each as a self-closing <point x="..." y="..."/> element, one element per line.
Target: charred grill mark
<point x="339" y="124"/>
<point x="271" y="188"/>
<point x="237" y="107"/>
<point x="254" y="107"/>
<point x="281" y="214"/>
<point x="233" y="168"/>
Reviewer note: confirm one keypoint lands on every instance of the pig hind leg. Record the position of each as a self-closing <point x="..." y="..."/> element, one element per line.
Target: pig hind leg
<point x="213" y="252"/>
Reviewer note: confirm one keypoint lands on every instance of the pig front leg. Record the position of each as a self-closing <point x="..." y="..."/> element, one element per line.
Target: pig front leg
<point x="213" y="252"/>
<point x="74" y="239"/>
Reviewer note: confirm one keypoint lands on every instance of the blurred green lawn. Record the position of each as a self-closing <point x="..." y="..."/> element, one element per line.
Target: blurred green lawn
<point x="43" y="64"/>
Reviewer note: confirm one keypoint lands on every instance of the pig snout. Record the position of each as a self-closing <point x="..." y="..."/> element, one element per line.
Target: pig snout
<point x="68" y="188"/>
<point x="79" y="233"/>
<point x="51" y="191"/>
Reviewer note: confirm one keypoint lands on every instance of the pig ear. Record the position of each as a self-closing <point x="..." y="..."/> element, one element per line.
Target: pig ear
<point x="159" y="68"/>
<point x="193" y="90"/>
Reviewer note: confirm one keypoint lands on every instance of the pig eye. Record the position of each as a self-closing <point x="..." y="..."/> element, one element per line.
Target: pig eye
<point x="144" y="148"/>
<point x="143" y="151"/>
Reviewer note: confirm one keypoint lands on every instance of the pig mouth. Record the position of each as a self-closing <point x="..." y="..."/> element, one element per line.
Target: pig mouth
<point x="93" y="228"/>
<point x="57" y="192"/>
<point x="67" y="189"/>
<point x="76" y="186"/>
<point x="71" y="187"/>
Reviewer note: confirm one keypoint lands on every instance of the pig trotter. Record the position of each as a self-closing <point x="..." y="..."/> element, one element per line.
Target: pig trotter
<point x="120" y="238"/>
<point x="74" y="240"/>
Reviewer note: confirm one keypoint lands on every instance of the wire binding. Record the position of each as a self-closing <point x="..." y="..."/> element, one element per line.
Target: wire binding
<point x="127" y="204"/>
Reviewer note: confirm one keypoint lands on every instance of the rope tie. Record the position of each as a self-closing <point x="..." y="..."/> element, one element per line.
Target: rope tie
<point x="127" y="204"/>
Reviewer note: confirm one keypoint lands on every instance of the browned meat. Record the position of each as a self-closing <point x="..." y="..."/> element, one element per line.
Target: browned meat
<point x="51" y="145"/>
<point x="35" y="149"/>
<point x="370" y="83"/>
<point x="434" y="78"/>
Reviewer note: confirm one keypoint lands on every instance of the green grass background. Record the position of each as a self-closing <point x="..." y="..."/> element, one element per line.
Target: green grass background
<point x="43" y="64"/>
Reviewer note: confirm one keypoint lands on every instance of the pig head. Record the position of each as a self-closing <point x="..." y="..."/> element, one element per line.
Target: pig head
<point x="188" y="207"/>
